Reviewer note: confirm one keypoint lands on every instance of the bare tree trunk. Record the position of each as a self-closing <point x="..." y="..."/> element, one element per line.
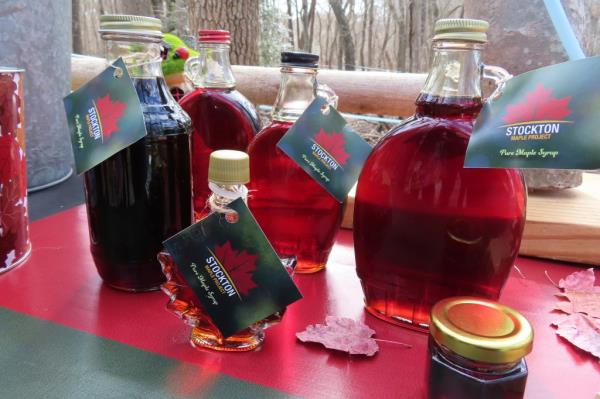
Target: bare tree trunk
<point x="239" y="17"/>
<point x="364" y="32"/>
<point x="290" y="22"/>
<point x="370" y="30"/>
<point x="86" y="16"/>
<point x="345" y="34"/>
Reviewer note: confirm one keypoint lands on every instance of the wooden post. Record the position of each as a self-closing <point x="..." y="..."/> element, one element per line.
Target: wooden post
<point x="381" y="93"/>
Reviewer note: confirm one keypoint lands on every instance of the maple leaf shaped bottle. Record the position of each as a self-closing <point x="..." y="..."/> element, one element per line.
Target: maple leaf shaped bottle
<point x="298" y="216"/>
<point x="222" y="117"/>
<point x="425" y="228"/>
<point x="141" y="195"/>
<point x="227" y="174"/>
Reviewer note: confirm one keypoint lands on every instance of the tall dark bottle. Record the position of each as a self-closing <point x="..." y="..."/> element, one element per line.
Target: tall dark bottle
<point x="425" y="227"/>
<point x="298" y="216"/>
<point x="142" y="194"/>
<point x="223" y="119"/>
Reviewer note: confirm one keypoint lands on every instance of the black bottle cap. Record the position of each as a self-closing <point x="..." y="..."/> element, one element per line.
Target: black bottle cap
<point x="299" y="59"/>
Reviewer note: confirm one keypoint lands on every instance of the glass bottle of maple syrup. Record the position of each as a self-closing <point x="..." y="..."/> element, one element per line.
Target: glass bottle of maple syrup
<point x="425" y="227"/>
<point x="298" y="216"/>
<point x="222" y="117"/>
<point x="141" y="195"/>
<point x="227" y="175"/>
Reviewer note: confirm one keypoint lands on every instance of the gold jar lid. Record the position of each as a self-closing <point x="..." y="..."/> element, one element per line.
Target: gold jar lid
<point x="229" y="167"/>
<point x="481" y="330"/>
<point x="117" y="23"/>
<point x="472" y="30"/>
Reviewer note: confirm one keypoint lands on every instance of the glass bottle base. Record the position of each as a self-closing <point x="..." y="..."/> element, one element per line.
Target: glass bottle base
<point x="241" y="342"/>
<point x="308" y="267"/>
<point x="129" y="289"/>
<point x="398" y="320"/>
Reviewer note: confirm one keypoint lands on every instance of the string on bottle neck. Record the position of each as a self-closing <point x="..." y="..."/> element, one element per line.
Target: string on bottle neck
<point x="236" y="191"/>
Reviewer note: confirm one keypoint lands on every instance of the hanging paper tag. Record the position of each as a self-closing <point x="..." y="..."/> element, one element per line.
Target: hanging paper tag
<point x="104" y="117"/>
<point x="232" y="269"/>
<point x="328" y="150"/>
<point x="546" y="118"/>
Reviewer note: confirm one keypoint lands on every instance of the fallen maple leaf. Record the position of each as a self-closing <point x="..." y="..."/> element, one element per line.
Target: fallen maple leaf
<point x="109" y="113"/>
<point x="582" y="331"/>
<point x="333" y="143"/>
<point x="240" y="265"/>
<point x="582" y="281"/>
<point x="538" y="105"/>
<point x="342" y="334"/>
<point x="581" y="327"/>
<point x="582" y="294"/>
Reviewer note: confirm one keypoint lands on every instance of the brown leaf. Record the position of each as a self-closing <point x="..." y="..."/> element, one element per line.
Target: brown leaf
<point x="343" y="334"/>
<point x="582" y="331"/>
<point x="582" y="281"/>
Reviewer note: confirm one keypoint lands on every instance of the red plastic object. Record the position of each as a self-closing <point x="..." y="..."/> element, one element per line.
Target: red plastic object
<point x="214" y="36"/>
<point x="61" y="285"/>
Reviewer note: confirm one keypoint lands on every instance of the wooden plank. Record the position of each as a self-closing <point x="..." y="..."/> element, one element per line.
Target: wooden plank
<point x="359" y="92"/>
<point x="381" y="93"/>
<point x="562" y="225"/>
<point x="565" y="225"/>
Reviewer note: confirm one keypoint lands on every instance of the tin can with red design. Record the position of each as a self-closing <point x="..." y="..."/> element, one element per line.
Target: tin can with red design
<point x="14" y="230"/>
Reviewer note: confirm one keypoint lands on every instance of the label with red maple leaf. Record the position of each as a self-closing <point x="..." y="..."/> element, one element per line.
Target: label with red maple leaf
<point x="326" y="148"/>
<point x="546" y="118"/>
<point x="104" y="117"/>
<point x="232" y="269"/>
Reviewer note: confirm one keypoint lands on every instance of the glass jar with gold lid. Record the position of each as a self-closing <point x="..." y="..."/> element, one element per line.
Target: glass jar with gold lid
<point x="477" y="349"/>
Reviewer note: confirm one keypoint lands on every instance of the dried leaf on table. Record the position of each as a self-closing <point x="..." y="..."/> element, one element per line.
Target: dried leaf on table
<point x="582" y="281"/>
<point x="582" y="325"/>
<point x="582" y="331"/>
<point x="583" y="295"/>
<point x="341" y="334"/>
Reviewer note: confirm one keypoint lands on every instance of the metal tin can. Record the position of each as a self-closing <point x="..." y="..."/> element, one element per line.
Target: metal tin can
<point x="14" y="229"/>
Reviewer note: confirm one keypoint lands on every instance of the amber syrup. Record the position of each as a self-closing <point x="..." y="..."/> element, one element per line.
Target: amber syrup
<point x="298" y="216"/>
<point x="222" y="119"/>
<point x="425" y="228"/>
<point x="205" y="334"/>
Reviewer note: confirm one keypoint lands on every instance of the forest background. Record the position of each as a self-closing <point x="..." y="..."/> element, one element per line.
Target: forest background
<point x="382" y="35"/>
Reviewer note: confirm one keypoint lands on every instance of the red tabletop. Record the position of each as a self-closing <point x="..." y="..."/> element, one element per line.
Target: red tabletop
<point x="59" y="283"/>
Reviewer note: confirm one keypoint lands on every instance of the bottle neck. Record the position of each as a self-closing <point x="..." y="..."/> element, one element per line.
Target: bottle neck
<point x="224" y="194"/>
<point x="141" y="54"/>
<point x="297" y="90"/>
<point x="213" y="67"/>
<point x="455" y="79"/>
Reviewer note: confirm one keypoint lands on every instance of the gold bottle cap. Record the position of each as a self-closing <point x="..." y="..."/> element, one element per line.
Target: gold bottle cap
<point x="229" y="167"/>
<point x="114" y="23"/>
<point x="481" y="330"/>
<point x="472" y="30"/>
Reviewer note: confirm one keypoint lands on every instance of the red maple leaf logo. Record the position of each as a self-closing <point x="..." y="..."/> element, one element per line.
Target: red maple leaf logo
<point x="109" y="114"/>
<point x="333" y="143"/>
<point x="539" y="105"/>
<point x="240" y="266"/>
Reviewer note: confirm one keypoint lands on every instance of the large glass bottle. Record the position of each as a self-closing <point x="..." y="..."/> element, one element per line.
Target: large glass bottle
<point x="227" y="174"/>
<point x="425" y="228"/>
<point x="222" y="117"/>
<point x="297" y="215"/>
<point x="141" y="195"/>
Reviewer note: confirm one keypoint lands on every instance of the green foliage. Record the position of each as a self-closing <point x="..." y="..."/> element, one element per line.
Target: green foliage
<point x="274" y="34"/>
